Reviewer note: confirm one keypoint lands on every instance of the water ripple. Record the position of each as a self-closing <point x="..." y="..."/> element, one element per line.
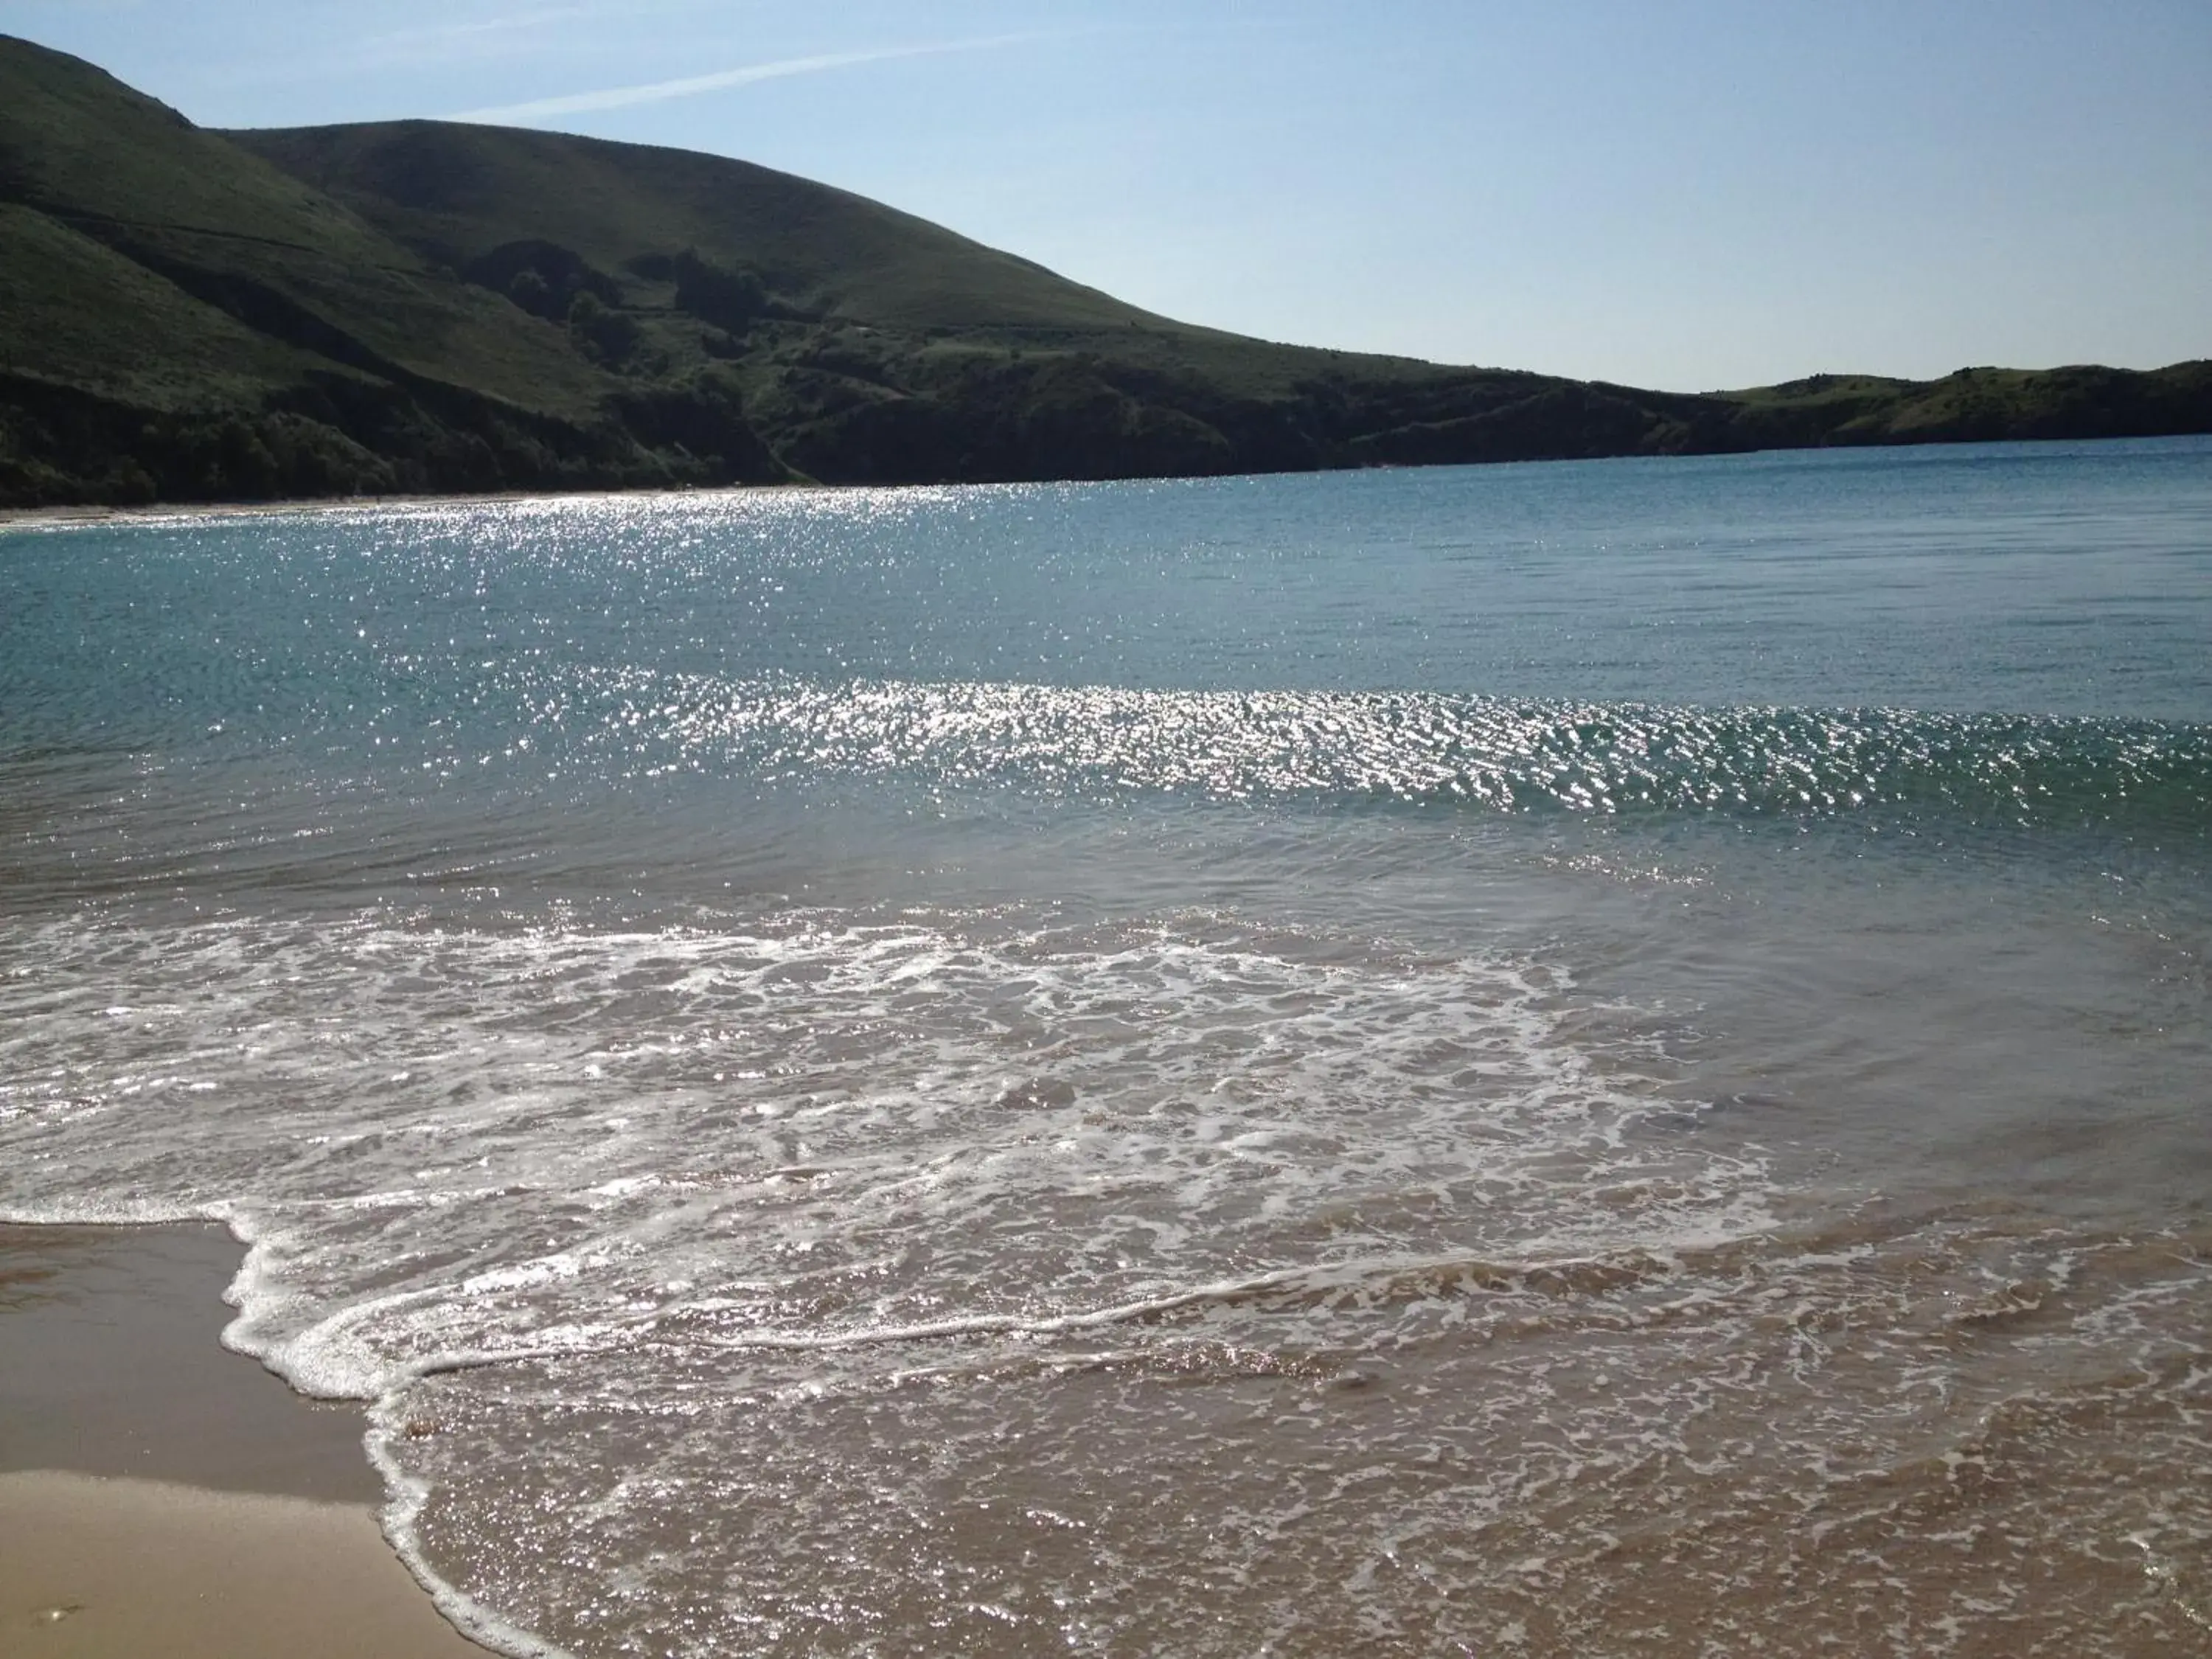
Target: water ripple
<point x="1506" y="755"/>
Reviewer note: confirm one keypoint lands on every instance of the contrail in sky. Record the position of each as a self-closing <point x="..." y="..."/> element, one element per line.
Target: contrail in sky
<point x="691" y="85"/>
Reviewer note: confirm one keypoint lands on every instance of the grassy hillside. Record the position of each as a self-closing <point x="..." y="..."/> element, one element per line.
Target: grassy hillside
<point x="1978" y="406"/>
<point x="235" y="232"/>
<point x="869" y="345"/>
<point x="459" y="192"/>
<point x="181" y="319"/>
<point x="425" y="306"/>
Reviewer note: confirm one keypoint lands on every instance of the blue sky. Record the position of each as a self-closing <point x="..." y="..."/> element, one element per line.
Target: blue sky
<point x="1689" y="195"/>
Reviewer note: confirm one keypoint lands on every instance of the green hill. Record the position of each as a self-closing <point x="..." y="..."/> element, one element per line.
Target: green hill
<point x="180" y="319"/>
<point x="459" y="192"/>
<point x="430" y="307"/>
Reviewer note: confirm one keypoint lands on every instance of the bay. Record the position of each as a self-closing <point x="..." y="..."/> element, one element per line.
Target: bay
<point x="1587" y="1058"/>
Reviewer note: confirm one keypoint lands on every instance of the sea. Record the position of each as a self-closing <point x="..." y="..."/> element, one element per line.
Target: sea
<point x="1586" y="1059"/>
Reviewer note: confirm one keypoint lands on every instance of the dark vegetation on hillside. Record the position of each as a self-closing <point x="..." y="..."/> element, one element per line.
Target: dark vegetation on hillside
<point x="425" y="306"/>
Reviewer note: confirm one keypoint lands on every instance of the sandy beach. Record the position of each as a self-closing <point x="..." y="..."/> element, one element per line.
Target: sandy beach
<point x="57" y="518"/>
<point x="159" y="1494"/>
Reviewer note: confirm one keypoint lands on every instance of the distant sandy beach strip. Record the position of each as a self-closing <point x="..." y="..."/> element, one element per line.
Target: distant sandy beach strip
<point x="161" y="1495"/>
<point x="34" y="518"/>
<point x="57" y="518"/>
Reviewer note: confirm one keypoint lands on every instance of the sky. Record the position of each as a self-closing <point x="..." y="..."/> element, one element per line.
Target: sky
<point x="1689" y="196"/>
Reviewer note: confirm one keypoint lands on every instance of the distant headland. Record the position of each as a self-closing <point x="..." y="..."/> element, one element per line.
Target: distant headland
<point x="429" y="308"/>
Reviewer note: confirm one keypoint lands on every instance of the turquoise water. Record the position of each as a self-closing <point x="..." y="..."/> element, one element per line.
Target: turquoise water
<point x="1582" y="1057"/>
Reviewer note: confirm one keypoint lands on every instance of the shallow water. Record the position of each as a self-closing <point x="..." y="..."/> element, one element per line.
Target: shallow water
<point x="1578" y="1059"/>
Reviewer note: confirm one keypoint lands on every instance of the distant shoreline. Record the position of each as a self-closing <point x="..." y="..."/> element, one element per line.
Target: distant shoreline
<point x="75" y="515"/>
<point x="60" y="518"/>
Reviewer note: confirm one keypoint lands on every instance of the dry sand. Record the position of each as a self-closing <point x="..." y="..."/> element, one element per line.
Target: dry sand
<point x="161" y="1496"/>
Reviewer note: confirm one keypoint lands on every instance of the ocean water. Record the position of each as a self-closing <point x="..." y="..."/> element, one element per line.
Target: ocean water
<point x="1590" y="1059"/>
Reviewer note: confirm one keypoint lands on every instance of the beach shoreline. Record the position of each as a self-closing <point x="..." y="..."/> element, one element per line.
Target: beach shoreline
<point x="77" y="517"/>
<point x="159" y="1493"/>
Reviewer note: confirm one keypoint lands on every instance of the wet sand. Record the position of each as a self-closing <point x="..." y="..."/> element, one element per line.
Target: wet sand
<point x="159" y="1494"/>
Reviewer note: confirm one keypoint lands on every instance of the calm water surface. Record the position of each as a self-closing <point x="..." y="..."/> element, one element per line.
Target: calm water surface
<point x="1592" y="1059"/>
